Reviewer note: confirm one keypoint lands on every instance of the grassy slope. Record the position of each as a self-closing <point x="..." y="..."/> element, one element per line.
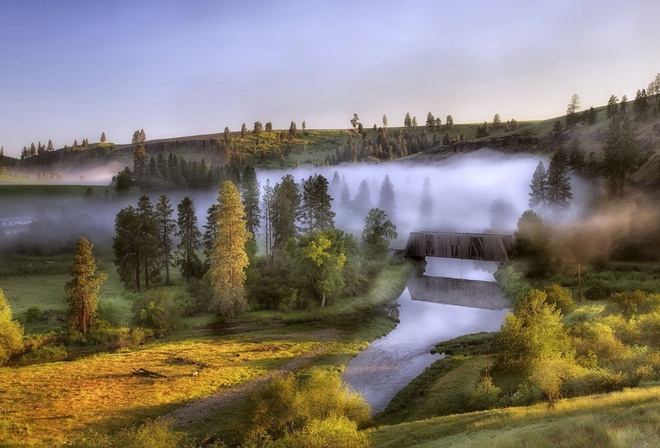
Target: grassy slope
<point x="628" y="418"/>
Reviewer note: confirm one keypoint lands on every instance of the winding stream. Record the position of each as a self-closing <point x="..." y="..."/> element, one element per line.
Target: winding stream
<point x="449" y="298"/>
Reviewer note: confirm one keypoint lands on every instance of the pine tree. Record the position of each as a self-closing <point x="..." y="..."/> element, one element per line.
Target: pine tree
<point x="426" y="203"/>
<point x="102" y="140"/>
<point x="140" y="161"/>
<point x="250" y="197"/>
<point x="559" y="183"/>
<point x="83" y="288"/>
<point x="209" y="231"/>
<point x="619" y="153"/>
<point x="538" y="187"/>
<point x="189" y="235"/>
<point x="430" y="121"/>
<point x="612" y="107"/>
<point x="362" y="201"/>
<point x="50" y="146"/>
<point x="267" y="210"/>
<point x="166" y="226"/>
<point x="407" y="121"/>
<point x="387" y="201"/>
<point x="229" y="260"/>
<point x="148" y="240"/>
<point x="285" y="211"/>
<point x="126" y="247"/>
<point x="317" y="204"/>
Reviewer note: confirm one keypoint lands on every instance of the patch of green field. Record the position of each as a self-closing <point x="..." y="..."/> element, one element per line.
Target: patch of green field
<point x="13" y="180"/>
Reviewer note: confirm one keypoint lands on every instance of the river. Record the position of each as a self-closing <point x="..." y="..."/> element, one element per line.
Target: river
<point x="443" y="300"/>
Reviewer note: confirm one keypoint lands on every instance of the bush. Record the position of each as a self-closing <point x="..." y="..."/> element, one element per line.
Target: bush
<point x="157" y="309"/>
<point x="335" y="432"/>
<point x="289" y="404"/>
<point x="527" y="394"/>
<point x="46" y="353"/>
<point x="152" y="434"/>
<point x="629" y="303"/>
<point x="561" y="297"/>
<point x="594" y="382"/>
<point x="485" y="394"/>
<point x="33" y="314"/>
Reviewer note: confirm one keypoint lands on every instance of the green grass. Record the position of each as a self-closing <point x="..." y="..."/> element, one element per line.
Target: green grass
<point x="622" y="419"/>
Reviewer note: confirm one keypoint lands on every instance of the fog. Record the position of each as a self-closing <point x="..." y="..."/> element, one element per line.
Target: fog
<point x="482" y="191"/>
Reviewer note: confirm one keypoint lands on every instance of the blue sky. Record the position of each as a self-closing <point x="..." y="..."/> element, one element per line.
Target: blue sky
<point x="73" y="69"/>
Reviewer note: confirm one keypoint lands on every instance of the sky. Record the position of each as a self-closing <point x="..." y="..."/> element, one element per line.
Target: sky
<point x="74" y="69"/>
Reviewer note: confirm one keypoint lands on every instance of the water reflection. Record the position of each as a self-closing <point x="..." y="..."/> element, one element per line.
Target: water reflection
<point x="390" y="363"/>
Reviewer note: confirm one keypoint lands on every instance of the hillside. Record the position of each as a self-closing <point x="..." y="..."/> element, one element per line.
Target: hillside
<point x="284" y="149"/>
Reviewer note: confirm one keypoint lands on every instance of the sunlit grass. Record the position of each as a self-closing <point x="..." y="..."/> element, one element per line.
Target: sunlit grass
<point x="627" y="418"/>
<point x="56" y="400"/>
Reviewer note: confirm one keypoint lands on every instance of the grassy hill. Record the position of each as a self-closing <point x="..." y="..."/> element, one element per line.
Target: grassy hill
<point x="621" y="419"/>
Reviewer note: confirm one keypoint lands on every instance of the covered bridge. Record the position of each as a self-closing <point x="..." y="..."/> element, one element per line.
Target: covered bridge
<point x="467" y="246"/>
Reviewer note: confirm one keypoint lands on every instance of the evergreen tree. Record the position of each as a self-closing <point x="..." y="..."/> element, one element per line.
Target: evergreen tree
<point x="148" y="240"/>
<point x="407" y="122"/>
<point x="102" y="140"/>
<point x="11" y="332"/>
<point x="414" y="122"/>
<point x="449" y="121"/>
<point x="140" y="161"/>
<point x="285" y="211"/>
<point x="50" y="146"/>
<point x="538" y="188"/>
<point x="243" y="130"/>
<point x="619" y="153"/>
<point x="230" y="260"/>
<point x="267" y="209"/>
<point x="345" y="197"/>
<point x="250" y="195"/>
<point x="209" y="231"/>
<point x="641" y="104"/>
<point x="189" y="235"/>
<point x="355" y="122"/>
<point x="576" y="158"/>
<point x="126" y="247"/>
<point x="166" y="226"/>
<point x="316" y="210"/>
<point x="386" y="200"/>
<point x="559" y="183"/>
<point x="293" y="132"/>
<point x="83" y="289"/>
<point x="557" y="135"/>
<point x="612" y="107"/>
<point x="362" y="201"/>
<point x="426" y="203"/>
<point x="430" y="121"/>
<point x="376" y="235"/>
<point x="385" y="121"/>
<point x="497" y="122"/>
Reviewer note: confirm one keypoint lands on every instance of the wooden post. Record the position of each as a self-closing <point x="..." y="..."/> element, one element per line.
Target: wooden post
<point x="580" y="282"/>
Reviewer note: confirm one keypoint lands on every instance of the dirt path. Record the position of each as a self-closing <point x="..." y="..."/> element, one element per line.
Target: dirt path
<point x="199" y="410"/>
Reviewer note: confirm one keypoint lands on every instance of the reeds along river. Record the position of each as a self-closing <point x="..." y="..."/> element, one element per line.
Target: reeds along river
<point x="448" y="298"/>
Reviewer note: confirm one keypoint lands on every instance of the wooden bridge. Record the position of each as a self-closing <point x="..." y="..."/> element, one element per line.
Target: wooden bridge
<point x="467" y="246"/>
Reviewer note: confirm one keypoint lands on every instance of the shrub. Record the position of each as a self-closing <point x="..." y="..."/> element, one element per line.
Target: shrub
<point x="561" y="297"/>
<point x="629" y="302"/>
<point x="594" y="382"/>
<point x="152" y="434"/>
<point x="158" y="310"/>
<point x="33" y="314"/>
<point x="335" y="432"/>
<point x="485" y="395"/>
<point x="527" y="393"/>
<point x="289" y="404"/>
<point x="46" y="353"/>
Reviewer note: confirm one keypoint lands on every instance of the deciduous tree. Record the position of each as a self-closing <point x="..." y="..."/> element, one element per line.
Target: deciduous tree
<point x="377" y="233"/>
<point x="83" y="289"/>
<point x="11" y="332"/>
